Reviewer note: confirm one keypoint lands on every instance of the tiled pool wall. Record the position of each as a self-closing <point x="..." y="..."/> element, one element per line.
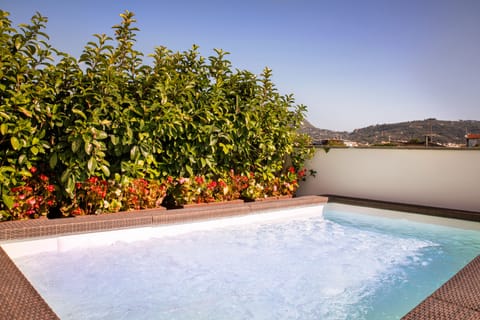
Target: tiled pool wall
<point x="459" y="298"/>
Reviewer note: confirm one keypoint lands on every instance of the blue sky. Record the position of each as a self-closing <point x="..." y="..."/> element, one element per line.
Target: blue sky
<point x="354" y="63"/>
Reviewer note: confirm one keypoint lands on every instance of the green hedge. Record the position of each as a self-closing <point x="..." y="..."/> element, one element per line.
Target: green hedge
<point x="109" y="115"/>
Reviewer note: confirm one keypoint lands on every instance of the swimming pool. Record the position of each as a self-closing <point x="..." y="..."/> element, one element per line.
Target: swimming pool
<point x="346" y="263"/>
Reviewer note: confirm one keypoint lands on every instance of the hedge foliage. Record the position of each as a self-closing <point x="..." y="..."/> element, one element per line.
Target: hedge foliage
<point x="110" y="115"/>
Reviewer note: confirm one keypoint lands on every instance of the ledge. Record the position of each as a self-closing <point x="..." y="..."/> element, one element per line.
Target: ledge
<point x="17" y="230"/>
<point x="458" y="298"/>
<point x="404" y="207"/>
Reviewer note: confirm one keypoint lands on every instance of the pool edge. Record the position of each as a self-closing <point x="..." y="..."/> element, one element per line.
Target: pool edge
<point x="18" y="298"/>
<point x="37" y="228"/>
<point x="458" y="298"/>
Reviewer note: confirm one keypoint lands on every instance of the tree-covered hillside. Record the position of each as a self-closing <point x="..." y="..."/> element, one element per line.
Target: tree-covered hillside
<point x="443" y="132"/>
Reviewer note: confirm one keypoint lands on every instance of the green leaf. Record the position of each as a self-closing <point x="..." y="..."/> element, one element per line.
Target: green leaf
<point x="18" y="42"/>
<point x="101" y="135"/>
<point x="189" y="170"/>
<point x="4" y="115"/>
<point x="91" y="165"/>
<point x="70" y="189"/>
<point x="80" y="113"/>
<point x="65" y="175"/>
<point x="53" y="160"/>
<point x="88" y="148"/>
<point x="134" y="153"/>
<point x="76" y="145"/>
<point x="8" y="200"/>
<point x="115" y="140"/>
<point x="34" y="150"/>
<point x="22" y="159"/>
<point x="25" y="112"/>
<point x="3" y="128"/>
<point x="15" y="143"/>
<point x="105" y="170"/>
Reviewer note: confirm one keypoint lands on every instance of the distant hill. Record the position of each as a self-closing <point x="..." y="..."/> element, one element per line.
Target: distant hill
<point x="442" y="132"/>
<point x="322" y="134"/>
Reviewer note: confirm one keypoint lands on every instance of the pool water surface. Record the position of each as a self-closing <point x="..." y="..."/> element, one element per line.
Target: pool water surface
<point x="319" y="262"/>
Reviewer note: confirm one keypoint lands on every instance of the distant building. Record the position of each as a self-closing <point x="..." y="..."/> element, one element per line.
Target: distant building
<point x="473" y="140"/>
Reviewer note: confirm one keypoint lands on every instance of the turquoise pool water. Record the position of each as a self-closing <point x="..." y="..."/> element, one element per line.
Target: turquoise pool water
<point x="344" y="263"/>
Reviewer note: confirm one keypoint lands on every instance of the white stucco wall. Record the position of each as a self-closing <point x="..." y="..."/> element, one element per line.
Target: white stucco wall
<point x="437" y="178"/>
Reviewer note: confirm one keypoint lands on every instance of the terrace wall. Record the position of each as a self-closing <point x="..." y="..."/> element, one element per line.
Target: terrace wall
<point x="427" y="177"/>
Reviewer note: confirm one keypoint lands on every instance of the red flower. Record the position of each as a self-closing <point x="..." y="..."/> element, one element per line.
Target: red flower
<point x="77" y="211"/>
<point x="43" y="177"/>
<point x="302" y="173"/>
<point x="78" y="185"/>
<point x="199" y="179"/>
<point x="291" y="170"/>
<point x="92" y="180"/>
<point x="50" y="188"/>
<point x="33" y="169"/>
<point x="169" y="179"/>
<point x="212" y="185"/>
<point x="31" y="201"/>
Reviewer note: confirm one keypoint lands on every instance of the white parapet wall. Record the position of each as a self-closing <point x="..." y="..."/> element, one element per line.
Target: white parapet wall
<point x="428" y="177"/>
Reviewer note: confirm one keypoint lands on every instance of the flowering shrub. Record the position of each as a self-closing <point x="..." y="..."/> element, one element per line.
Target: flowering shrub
<point x="289" y="181"/>
<point x="89" y="197"/>
<point x="286" y="184"/>
<point x="142" y="194"/>
<point x="191" y="190"/>
<point x="34" y="198"/>
<point x="180" y="192"/>
<point x="236" y="184"/>
<point x="254" y="189"/>
<point x="114" y="201"/>
<point x="95" y="195"/>
<point x="75" y="121"/>
<point x="223" y="192"/>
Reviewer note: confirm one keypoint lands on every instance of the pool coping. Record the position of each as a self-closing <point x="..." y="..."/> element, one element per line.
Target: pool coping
<point x="458" y="298"/>
<point x="19" y="299"/>
<point x="406" y="207"/>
